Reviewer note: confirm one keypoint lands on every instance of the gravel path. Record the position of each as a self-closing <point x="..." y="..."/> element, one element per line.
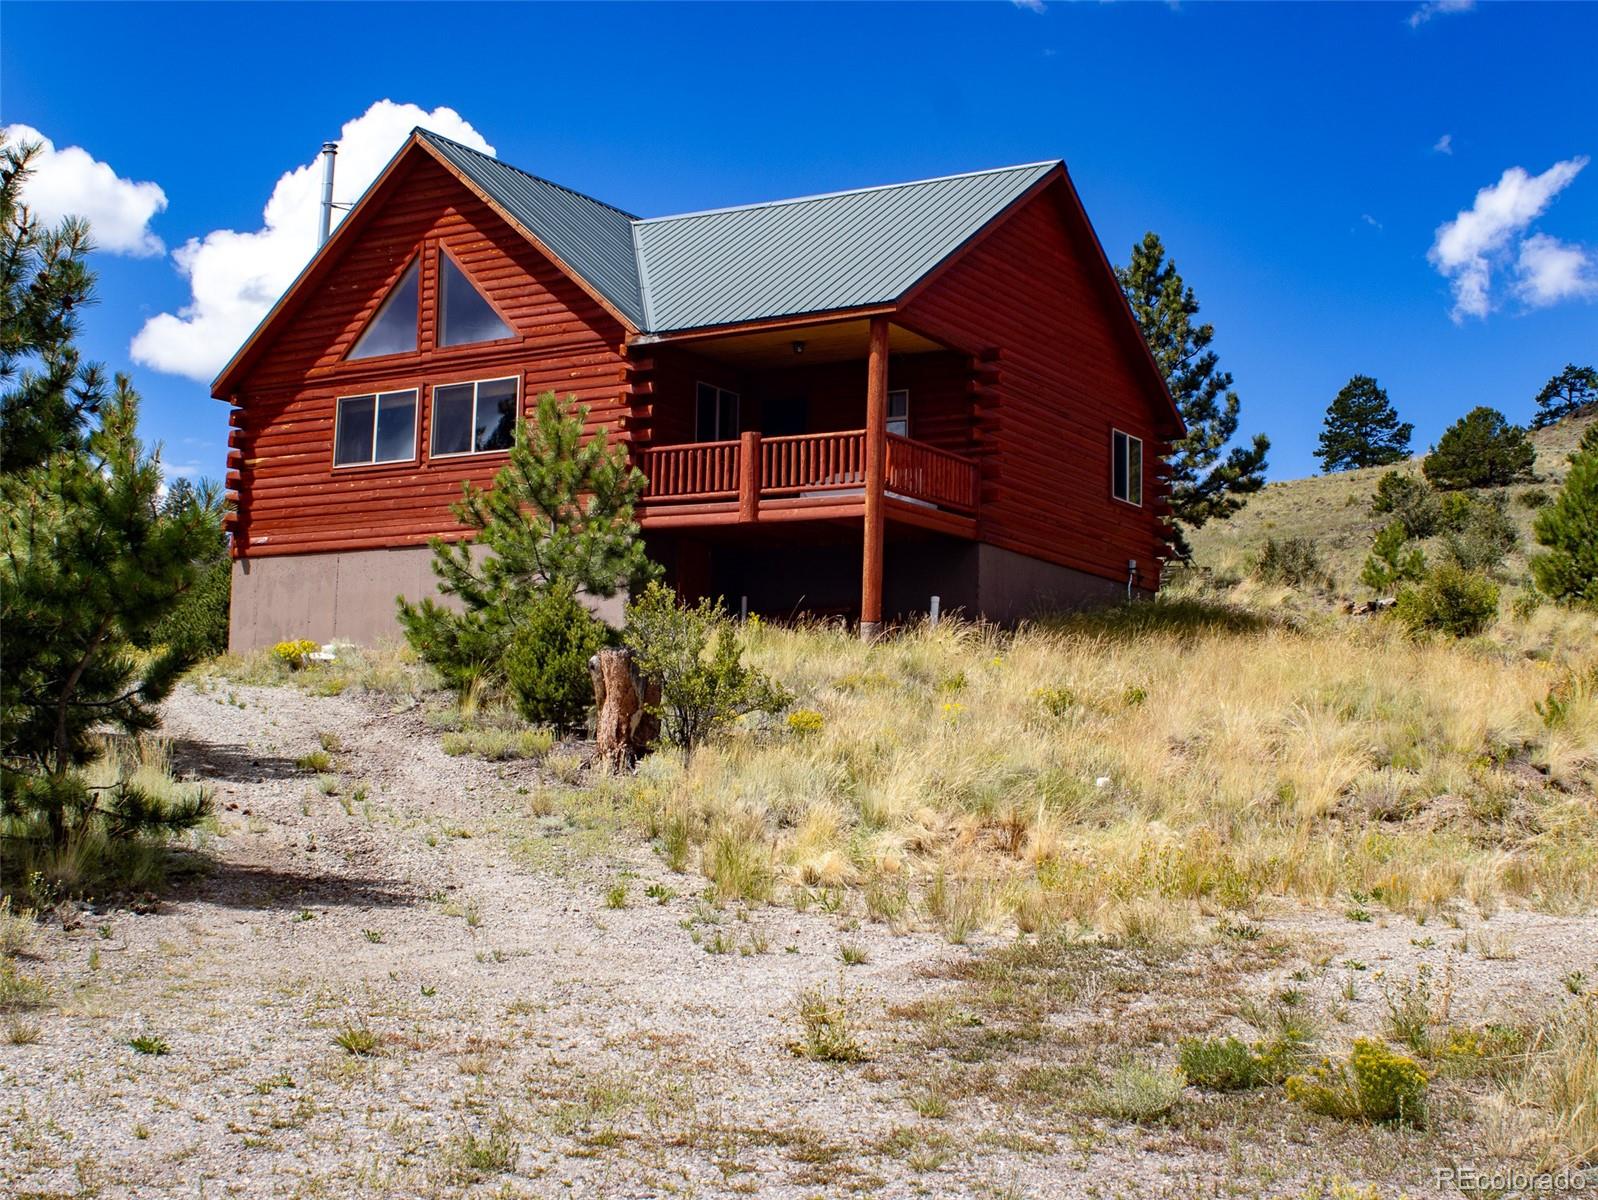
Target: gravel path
<point x="528" y="1039"/>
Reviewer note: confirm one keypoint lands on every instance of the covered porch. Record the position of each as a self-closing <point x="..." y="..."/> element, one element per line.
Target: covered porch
<point x="806" y="433"/>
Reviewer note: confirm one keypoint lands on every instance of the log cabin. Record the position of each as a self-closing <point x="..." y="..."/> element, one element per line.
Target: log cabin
<point x="843" y="404"/>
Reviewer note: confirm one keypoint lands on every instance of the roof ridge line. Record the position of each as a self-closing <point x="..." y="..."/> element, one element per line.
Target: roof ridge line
<point x="620" y="212"/>
<point x="878" y="187"/>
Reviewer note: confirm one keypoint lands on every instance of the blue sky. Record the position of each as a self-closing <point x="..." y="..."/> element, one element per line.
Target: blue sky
<point x="1298" y="160"/>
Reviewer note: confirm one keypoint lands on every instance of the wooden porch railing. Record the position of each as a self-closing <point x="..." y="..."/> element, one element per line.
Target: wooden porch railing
<point x="812" y="462"/>
<point x="925" y="472"/>
<point x="805" y="464"/>
<point x="696" y="471"/>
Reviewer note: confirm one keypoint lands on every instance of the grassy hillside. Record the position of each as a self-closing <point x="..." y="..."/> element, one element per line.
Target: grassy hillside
<point x="1335" y="511"/>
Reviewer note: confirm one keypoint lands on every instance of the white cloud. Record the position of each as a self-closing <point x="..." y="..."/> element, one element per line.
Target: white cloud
<point x="71" y="182"/>
<point x="1549" y="271"/>
<point x="1036" y="6"/>
<point x="1371" y="221"/>
<point x="1438" y="8"/>
<point x="1466" y="248"/>
<point x="236" y="277"/>
<point x="1444" y="144"/>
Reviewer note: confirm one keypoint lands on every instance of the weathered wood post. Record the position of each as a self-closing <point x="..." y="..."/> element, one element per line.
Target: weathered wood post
<point x="624" y="728"/>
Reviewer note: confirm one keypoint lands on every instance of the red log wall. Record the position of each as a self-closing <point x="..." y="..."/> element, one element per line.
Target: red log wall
<point x="1067" y="375"/>
<point x="290" y="497"/>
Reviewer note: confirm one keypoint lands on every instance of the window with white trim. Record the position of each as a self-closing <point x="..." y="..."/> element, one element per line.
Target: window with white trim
<point x="393" y="329"/>
<point x="379" y="427"/>
<point x="1126" y="455"/>
<point x="474" y="417"/>
<point x="899" y="412"/>
<point x="715" y="414"/>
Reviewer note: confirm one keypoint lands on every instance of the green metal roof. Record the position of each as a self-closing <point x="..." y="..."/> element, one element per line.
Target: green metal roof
<point x="734" y="265"/>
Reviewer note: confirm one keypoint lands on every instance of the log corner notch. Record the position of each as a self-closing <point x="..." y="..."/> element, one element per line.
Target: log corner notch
<point x="876" y="470"/>
<point x="625" y="727"/>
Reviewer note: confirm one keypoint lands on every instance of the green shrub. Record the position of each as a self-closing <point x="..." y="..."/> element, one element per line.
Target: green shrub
<point x="696" y="656"/>
<point x="1480" y="450"/>
<point x="546" y="664"/>
<point x="200" y="619"/>
<point x="1484" y="536"/>
<point x="1392" y="561"/>
<point x="1411" y="500"/>
<point x="1293" y="561"/>
<point x="1229" y="1064"/>
<point x="1568" y="569"/>
<point x="1375" y="1084"/>
<point x="1449" y="600"/>
<point x="1219" y="1064"/>
<point x="1534" y="498"/>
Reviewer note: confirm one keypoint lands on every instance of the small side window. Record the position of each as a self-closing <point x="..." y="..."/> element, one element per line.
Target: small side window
<point x="715" y="414"/>
<point x="899" y="412"/>
<point x="1126" y="467"/>
<point x="375" y="428"/>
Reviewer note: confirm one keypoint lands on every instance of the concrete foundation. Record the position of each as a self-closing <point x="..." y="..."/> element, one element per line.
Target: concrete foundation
<point x="348" y="596"/>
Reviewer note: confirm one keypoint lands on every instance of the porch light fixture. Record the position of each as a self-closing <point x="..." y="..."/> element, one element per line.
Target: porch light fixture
<point x="798" y="347"/>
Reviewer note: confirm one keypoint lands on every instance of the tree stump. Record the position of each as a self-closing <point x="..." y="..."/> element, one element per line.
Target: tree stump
<point x="625" y="728"/>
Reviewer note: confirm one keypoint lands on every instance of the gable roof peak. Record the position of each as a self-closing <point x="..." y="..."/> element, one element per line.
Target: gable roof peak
<point x="439" y="138"/>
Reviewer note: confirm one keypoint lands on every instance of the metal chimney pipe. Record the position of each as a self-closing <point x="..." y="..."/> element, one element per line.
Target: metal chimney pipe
<point x="329" y="149"/>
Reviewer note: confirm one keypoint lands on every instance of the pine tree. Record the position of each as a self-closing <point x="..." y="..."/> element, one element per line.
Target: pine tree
<point x="1568" y="569"/>
<point x="1208" y="482"/>
<point x="1362" y="429"/>
<point x="47" y="394"/>
<point x="1573" y="391"/>
<point x="560" y="514"/>
<point x="90" y="563"/>
<point x="1481" y="449"/>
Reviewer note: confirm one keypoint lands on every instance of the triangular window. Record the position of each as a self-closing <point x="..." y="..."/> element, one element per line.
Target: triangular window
<point x="393" y="330"/>
<point x="464" y="316"/>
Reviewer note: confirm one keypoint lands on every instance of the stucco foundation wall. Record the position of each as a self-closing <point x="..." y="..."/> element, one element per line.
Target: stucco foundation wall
<point x="1013" y="587"/>
<point x="348" y="596"/>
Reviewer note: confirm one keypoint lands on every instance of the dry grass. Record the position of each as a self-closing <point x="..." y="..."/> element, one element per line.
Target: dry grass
<point x="1548" y="1111"/>
<point x="389" y="668"/>
<point x="1129" y="769"/>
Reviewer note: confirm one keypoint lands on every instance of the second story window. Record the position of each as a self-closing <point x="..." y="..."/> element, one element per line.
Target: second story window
<point x="393" y="329"/>
<point x="715" y="414"/>
<point x="379" y="427"/>
<point x="899" y="412"/>
<point x="473" y="418"/>
<point x="464" y="315"/>
<point x="1126" y="467"/>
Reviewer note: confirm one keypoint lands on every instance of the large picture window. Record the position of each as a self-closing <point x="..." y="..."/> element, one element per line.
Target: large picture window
<point x="393" y="329"/>
<point x="473" y="418"/>
<point x="379" y="427"/>
<point x="715" y="414"/>
<point x="1126" y="453"/>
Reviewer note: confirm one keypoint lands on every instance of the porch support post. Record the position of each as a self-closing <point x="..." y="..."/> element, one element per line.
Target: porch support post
<point x="876" y="471"/>
<point x="749" y="476"/>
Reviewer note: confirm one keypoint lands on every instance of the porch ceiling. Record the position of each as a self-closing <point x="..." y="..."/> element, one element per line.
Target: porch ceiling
<point x="838" y="341"/>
